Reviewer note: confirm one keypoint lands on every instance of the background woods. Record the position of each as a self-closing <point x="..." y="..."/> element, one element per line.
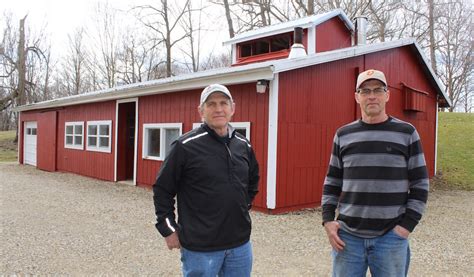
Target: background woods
<point x="167" y="38"/>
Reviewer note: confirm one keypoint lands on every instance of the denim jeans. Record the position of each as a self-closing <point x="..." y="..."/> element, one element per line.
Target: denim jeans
<point x="387" y="255"/>
<point x="228" y="263"/>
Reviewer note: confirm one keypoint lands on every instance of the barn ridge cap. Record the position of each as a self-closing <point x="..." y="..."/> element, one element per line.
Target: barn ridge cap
<point x="288" y="26"/>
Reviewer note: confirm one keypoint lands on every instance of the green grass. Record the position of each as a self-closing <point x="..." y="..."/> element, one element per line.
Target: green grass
<point x="456" y="150"/>
<point x="8" y="149"/>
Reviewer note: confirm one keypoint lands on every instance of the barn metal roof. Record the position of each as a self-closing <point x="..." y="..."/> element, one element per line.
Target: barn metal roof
<point x="238" y="75"/>
<point x="284" y="27"/>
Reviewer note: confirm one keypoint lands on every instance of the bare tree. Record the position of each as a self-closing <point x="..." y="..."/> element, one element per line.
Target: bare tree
<point x="74" y="67"/>
<point x="107" y="36"/>
<point x="456" y="49"/>
<point x="230" y="25"/>
<point x="216" y="61"/>
<point x="420" y="22"/>
<point x="138" y="57"/>
<point x="164" y="20"/>
<point x="17" y="52"/>
<point x="20" y="61"/>
<point x="192" y="27"/>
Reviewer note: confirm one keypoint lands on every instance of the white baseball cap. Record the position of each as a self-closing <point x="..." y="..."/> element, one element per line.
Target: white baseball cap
<point x="214" y="88"/>
<point x="369" y="75"/>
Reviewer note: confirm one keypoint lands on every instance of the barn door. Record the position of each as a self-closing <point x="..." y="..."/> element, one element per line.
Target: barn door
<point x="30" y="139"/>
<point x="126" y="140"/>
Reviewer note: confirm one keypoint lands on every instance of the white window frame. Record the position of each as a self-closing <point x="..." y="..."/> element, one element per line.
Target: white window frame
<point x="236" y="125"/>
<point x="97" y="147"/>
<point x="74" y="124"/>
<point x="162" y="127"/>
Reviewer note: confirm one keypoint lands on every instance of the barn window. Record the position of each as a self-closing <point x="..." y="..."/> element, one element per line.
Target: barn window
<point x="98" y="136"/>
<point x="157" y="139"/>
<point x="266" y="45"/>
<point x="241" y="127"/>
<point x="74" y="135"/>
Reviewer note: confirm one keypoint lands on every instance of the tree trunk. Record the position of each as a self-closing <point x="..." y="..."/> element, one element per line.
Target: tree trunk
<point x="229" y="19"/>
<point x="21" y="65"/>
<point x="431" y="34"/>
<point x="310" y="7"/>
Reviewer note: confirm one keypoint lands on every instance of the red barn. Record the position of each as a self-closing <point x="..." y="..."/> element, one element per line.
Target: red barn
<point x="124" y="133"/>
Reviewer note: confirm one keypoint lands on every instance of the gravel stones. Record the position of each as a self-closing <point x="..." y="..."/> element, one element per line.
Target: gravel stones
<point x="61" y="223"/>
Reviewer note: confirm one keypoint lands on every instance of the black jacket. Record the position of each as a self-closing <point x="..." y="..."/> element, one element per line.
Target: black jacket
<point x="215" y="180"/>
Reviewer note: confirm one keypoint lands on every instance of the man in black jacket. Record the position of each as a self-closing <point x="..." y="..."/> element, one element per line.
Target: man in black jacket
<point x="214" y="174"/>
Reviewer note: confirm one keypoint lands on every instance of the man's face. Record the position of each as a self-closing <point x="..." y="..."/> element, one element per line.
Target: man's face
<point x="217" y="111"/>
<point x="372" y="104"/>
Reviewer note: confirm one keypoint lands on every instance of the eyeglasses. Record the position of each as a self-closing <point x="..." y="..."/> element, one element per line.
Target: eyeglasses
<point x="377" y="91"/>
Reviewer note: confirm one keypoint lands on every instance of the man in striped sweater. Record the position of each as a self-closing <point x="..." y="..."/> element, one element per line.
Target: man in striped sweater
<point x="378" y="181"/>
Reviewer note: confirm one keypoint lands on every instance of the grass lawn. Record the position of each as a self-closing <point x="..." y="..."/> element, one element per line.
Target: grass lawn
<point x="8" y="149"/>
<point x="456" y="150"/>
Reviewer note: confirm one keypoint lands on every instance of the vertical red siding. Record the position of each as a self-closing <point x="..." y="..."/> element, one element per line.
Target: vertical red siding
<point x="181" y="107"/>
<point x="99" y="165"/>
<point x="46" y="141"/>
<point x="401" y="66"/>
<point x="314" y="102"/>
<point x="332" y="34"/>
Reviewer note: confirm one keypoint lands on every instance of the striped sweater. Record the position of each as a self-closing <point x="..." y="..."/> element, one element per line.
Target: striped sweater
<point x="377" y="178"/>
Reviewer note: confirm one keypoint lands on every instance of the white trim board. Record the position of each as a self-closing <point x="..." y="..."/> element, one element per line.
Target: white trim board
<point x="272" y="143"/>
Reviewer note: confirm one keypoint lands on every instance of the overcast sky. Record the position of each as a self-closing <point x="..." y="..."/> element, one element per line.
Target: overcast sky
<point x="61" y="17"/>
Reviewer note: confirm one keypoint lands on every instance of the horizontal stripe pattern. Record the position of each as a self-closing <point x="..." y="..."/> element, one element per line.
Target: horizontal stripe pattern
<point x="374" y="160"/>
<point x="377" y="178"/>
<point x="376" y="172"/>
<point x="369" y="185"/>
<point x="385" y="136"/>
<point x="392" y="125"/>
<point x="375" y="147"/>
<point x="381" y="212"/>
<point x="417" y="160"/>
<point x="374" y="198"/>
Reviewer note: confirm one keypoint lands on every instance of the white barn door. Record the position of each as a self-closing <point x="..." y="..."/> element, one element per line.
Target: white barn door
<point x="30" y="143"/>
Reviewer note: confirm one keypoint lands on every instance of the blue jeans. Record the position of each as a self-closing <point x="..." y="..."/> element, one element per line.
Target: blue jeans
<point x="387" y="255"/>
<point x="230" y="262"/>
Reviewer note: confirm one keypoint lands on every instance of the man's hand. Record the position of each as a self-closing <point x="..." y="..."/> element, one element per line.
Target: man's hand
<point x="172" y="241"/>
<point x="331" y="228"/>
<point x="402" y="232"/>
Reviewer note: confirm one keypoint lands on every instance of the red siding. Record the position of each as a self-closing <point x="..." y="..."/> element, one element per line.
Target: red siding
<point x="99" y="165"/>
<point x="332" y="34"/>
<point x="314" y="102"/>
<point x="46" y="141"/>
<point x="181" y="107"/>
<point x="401" y="66"/>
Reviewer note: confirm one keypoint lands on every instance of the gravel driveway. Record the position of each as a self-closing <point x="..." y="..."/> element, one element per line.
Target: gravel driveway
<point x="59" y="223"/>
